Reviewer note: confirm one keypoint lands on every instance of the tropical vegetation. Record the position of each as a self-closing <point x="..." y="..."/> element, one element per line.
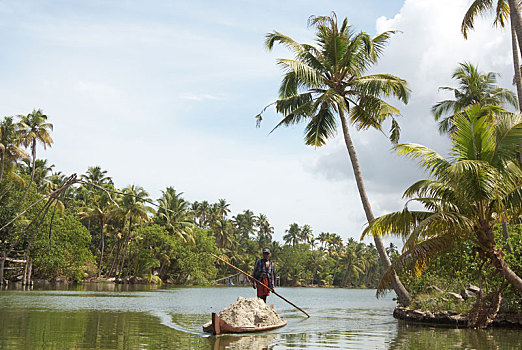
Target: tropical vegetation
<point x="94" y="230"/>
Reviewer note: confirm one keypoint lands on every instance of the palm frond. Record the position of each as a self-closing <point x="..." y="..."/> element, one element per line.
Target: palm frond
<point x="321" y="126"/>
<point x="380" y="41"/>
<point x="304" y="74"/>
<point x="502" y="13"/>
<point x="395" y="131"/>
<point x="476" y="8"/>
<point x="399" y="223"/>
<point x="385" y="85"/>
<point x="508" y="136"/>
<point x="433" y="162"/>
<point x="272" y="38"/>
<point x="415" y="259"/>
<point x="370" y="112"/>
<point x="444" y="107"/>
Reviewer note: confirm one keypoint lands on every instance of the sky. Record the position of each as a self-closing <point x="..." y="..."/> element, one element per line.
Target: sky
<point x="165" y="93"/>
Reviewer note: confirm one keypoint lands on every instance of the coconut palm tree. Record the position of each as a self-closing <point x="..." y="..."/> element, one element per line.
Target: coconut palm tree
<point x="34" y="129"/>
<point x="467" y="195"/>
<point x="502" y="9"/>
<point x="245" y="223"/>
<point x="323" y="238"/>
<point x="328" y="80"/>
<point x="223" y="208"/>
<point x="133" y="210"/>
<point x="42" y="170"/>
<point x="264" y="230"/>
<point x="474" y="87"/>
<point x="174" y="213"/>
<point x="10" y="152"/>
<point x="223" y="230"/>
<point x="293" y="234"/>
<point x="355" y="262"/>
<point x="100" y="208"/>
<point x="98" y="176"/>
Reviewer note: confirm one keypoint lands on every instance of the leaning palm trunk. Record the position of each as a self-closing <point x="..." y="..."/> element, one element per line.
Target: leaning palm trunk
<point x="398" y="287"/>
<point x="514" y="14"/>
<point x="516" y="64"/>
<point x="496" y="259"/>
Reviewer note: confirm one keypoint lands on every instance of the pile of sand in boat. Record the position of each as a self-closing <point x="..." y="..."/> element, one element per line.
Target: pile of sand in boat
<point x="245" y="315"/>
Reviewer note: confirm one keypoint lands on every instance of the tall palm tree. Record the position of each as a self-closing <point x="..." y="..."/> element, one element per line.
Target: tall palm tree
<point x="98" y="176"/>
<point x="133" y="210"/>
<point x="264" y="229"/>
<point x="355" y="262"/>
<point x="503" y="9"/>
<point x="306" y="234"/>
<point x="293" y="234"/>
<point x="327" y="80"/>
<point x="174" y="213"/>
<point x="10" y="152"/>
<point x="245" y="223"/>
<point x="34" y="129"/>
<point x="223" y="229"/>
<point x="474" y="87"/>
<point x="223" y="208"/>
<point x="323" y="238"/>
<point x="466" y="196"/>
<point x="100" y="208"/>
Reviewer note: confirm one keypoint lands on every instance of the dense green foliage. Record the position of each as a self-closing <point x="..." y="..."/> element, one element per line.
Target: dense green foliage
<point x="96" y="230"/>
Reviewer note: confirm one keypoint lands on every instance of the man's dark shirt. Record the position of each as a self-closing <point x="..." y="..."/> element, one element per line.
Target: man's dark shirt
<point x="261" y="271"/>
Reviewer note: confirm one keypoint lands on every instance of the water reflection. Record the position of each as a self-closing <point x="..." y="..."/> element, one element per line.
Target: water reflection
<point x="69" y="286"/>
<point x="430" y="337"/>
<point x="245" y="342"/>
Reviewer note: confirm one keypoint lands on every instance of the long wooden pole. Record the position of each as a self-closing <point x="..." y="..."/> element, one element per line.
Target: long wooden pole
<point x="261" y="283"/>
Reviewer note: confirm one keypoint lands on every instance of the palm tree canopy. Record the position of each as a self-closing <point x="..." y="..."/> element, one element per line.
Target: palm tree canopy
<point x="467" y="194"/>
<point x="175" y="214"/>
<point x="481" y="7"/>
<point x="10" y="139"/>
<point x="474" y="87"/>
<point x="35" y="128"/>
<point x="98" y="176"/>
<point x="328" y="78"/>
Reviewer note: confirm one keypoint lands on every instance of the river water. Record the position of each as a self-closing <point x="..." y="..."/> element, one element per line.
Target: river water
<point x="101" y="316"/>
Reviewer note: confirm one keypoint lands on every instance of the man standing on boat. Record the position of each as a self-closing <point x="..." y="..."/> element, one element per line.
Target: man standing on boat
<point x="264" y="272"/>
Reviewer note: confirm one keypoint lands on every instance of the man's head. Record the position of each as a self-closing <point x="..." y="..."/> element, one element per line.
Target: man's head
<point x="266" y="253"/>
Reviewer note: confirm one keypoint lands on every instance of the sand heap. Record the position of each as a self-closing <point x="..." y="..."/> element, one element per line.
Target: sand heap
<point x="252" y="312"/>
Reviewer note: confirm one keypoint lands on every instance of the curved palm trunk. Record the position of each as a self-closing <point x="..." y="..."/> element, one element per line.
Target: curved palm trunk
<point x="516" y="64"/>
<point x="33" y="167"/>
<point x="514" y="15"/>
<point x="496" y="259"/>
<point x="398" y="287"/>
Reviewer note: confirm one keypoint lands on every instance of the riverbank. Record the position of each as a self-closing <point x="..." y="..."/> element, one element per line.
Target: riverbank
<point x="453" y="318"/>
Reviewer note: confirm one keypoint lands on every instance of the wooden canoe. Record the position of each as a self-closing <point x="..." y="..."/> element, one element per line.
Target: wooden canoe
<point x="219" y="326"/>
